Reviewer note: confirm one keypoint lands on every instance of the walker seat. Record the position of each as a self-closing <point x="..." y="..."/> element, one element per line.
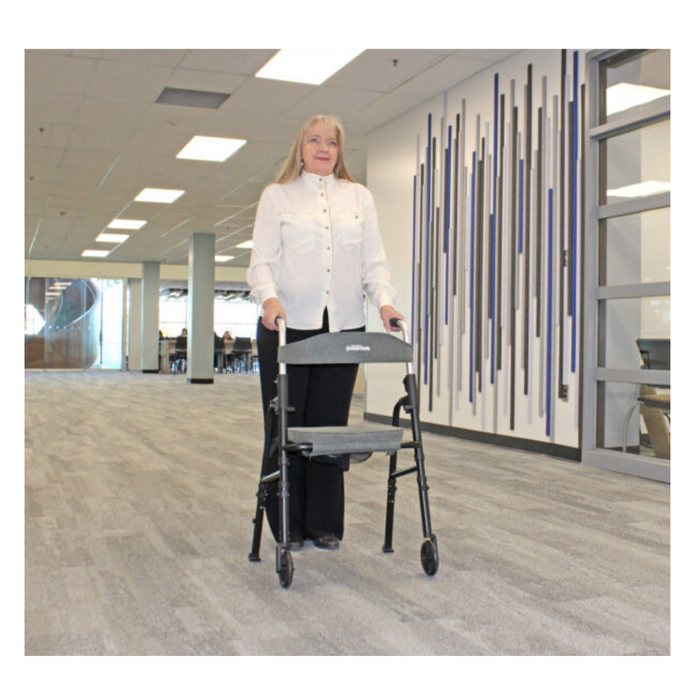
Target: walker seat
<point x="353" y="439"/>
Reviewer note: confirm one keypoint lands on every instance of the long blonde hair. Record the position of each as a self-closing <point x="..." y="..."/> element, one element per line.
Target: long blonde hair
<point x="293" y="165"/>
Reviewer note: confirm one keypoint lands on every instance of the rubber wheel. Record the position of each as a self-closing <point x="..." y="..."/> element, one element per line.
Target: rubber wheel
<point x="286" y="573"/>
<point x="429" y="557"/>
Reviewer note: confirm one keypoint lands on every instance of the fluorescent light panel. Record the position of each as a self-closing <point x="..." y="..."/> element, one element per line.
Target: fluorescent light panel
<point x="245" y="244"/>
<point x="223" y="258"/>
<point x="306" y="66"/>
<point x="152" y="194"/>
<point x="212" y="148"/>
<point x="133" y="224"/>
<point x="95" y="253"/>
<point x="624" y="96"/>
<point x="112" y="237"/>
<point x="641" y="189"/>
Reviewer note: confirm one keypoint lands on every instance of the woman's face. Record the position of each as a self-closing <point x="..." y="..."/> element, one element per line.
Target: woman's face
<point x="319" y="150"/>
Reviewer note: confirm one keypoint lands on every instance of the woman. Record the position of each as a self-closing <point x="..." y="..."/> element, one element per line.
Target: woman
<point x="316" y="252"/>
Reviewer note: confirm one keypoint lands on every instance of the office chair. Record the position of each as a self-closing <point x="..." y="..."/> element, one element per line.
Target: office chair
<point x="654" y="407"/>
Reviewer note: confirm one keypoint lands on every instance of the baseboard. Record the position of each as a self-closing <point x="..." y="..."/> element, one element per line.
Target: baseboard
<point x="200" y="381"/>
<point x="150" y="371"/>
<point x="546" y="448"/>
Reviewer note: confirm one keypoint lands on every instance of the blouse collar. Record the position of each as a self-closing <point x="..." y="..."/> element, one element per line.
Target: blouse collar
<point x="315" y="180"/>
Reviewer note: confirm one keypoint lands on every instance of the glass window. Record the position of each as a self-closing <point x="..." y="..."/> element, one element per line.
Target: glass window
<point x="627" y="322"/>
<point x="633" y="80"/>
<point x="73" y="323"/>
<point x="635" y="249"/>
<point x="636" y="163"/>
<point x="634" y="418"/>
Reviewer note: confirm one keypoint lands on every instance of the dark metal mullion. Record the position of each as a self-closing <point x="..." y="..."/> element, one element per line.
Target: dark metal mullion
<point x="528" y="166"/>
<point x="562" y="219"/>
<point x="513" y="259"/>
<point x="421" y="258"/>
<point x="499" y="248"/>
<point x="571" y="193"/>
<point x="479" y="263"/>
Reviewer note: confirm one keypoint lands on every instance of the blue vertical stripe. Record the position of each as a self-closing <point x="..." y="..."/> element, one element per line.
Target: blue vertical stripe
<point x="549" y="313"/>
<point x="574" y="216"/>
<point x="448" y="183"/>
<point x="471" y="286"/>
<point x="493" y="229"/>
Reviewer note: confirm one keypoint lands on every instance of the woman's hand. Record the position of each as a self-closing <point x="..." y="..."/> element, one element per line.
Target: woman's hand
<point x="271" y="310"/>
<point x="387" y="312"/>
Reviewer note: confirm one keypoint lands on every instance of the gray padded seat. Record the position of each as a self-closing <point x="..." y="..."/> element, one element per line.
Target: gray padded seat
<point x="353" y="439"/>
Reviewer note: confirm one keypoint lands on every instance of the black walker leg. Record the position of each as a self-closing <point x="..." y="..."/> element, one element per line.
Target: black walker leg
<point x="284" y="564"/>
<point x="429" y="549"/>
<point x="391" y="490"/>
<point x="262" y="490"/>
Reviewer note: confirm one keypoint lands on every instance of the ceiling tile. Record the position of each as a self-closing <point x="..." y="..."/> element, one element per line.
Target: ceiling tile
<point x="58" y="74"/>
<point x="267" y="96"/>
<point x="112" y="113"/>
<point x="154" y="57"/>
<point x="174" y="119"/>
<point x="100" y="138"/>
<point x="343" y="103"/>
<point x="447" y="73"/>
<point x="128" y="81"/>
<point x="375" y="70"/>
<point x="241" y="61"/>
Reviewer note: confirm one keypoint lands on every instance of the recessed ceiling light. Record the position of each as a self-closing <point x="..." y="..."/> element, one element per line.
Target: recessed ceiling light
<point x="151" y="194"/>
<point x="626" y="95"/>
<point x="306" y="66"/>
<point x="223" y="258"/>
<point x="211" y="148"/>
<point x="641" y="189"/>
<point x="112" y="237"/>
<point x="95" y="253"/>
<point x="245" y="244"/>
<point x="126" y="223"/>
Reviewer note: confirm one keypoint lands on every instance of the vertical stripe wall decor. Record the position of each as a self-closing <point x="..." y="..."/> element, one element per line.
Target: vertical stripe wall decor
<point x="496" y="235"/>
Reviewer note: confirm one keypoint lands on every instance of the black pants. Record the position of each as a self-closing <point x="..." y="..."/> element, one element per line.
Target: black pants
<point x="320" y="395"/>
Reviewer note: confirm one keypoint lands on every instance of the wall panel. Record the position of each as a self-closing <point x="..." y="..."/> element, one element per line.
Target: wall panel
<point x="483" y="229"/>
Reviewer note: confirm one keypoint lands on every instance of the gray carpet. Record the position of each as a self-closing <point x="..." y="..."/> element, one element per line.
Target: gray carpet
<point x="139" y="498"/>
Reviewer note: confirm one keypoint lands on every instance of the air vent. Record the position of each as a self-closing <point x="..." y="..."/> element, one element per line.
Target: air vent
<point x="192" y="98"/>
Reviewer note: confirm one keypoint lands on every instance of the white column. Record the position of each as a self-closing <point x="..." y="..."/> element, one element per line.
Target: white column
<point x="200" y="334"/>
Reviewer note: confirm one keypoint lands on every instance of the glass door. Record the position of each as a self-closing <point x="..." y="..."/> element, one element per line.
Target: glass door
<point x="626" y="423"/>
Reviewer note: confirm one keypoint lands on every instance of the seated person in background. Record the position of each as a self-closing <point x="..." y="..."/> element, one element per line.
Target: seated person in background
<point x="227" y="335"/>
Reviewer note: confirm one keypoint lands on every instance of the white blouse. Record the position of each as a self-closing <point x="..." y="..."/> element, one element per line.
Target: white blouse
<point x="316" y="244"/>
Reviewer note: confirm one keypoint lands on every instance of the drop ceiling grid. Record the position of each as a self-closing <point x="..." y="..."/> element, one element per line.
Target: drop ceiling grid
<point x="95" y="137"/>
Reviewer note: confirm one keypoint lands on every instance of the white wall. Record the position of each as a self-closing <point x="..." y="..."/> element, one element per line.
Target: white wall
<point x="392" y="162"/>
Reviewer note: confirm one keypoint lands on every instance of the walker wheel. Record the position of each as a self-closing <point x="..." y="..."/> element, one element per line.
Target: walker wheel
<point x="429" y="557"/>
<point x="286" y="571"/>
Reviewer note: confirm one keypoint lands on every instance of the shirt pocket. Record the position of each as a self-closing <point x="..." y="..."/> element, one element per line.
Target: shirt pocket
<point x="351" y="226"/>
<point x="297" y="232"/>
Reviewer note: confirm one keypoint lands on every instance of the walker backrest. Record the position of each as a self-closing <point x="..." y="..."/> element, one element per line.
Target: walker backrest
<point x="346" y="348"/>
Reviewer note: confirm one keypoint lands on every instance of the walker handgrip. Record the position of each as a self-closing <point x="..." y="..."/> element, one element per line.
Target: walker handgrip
<point x="394" y="322"/>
